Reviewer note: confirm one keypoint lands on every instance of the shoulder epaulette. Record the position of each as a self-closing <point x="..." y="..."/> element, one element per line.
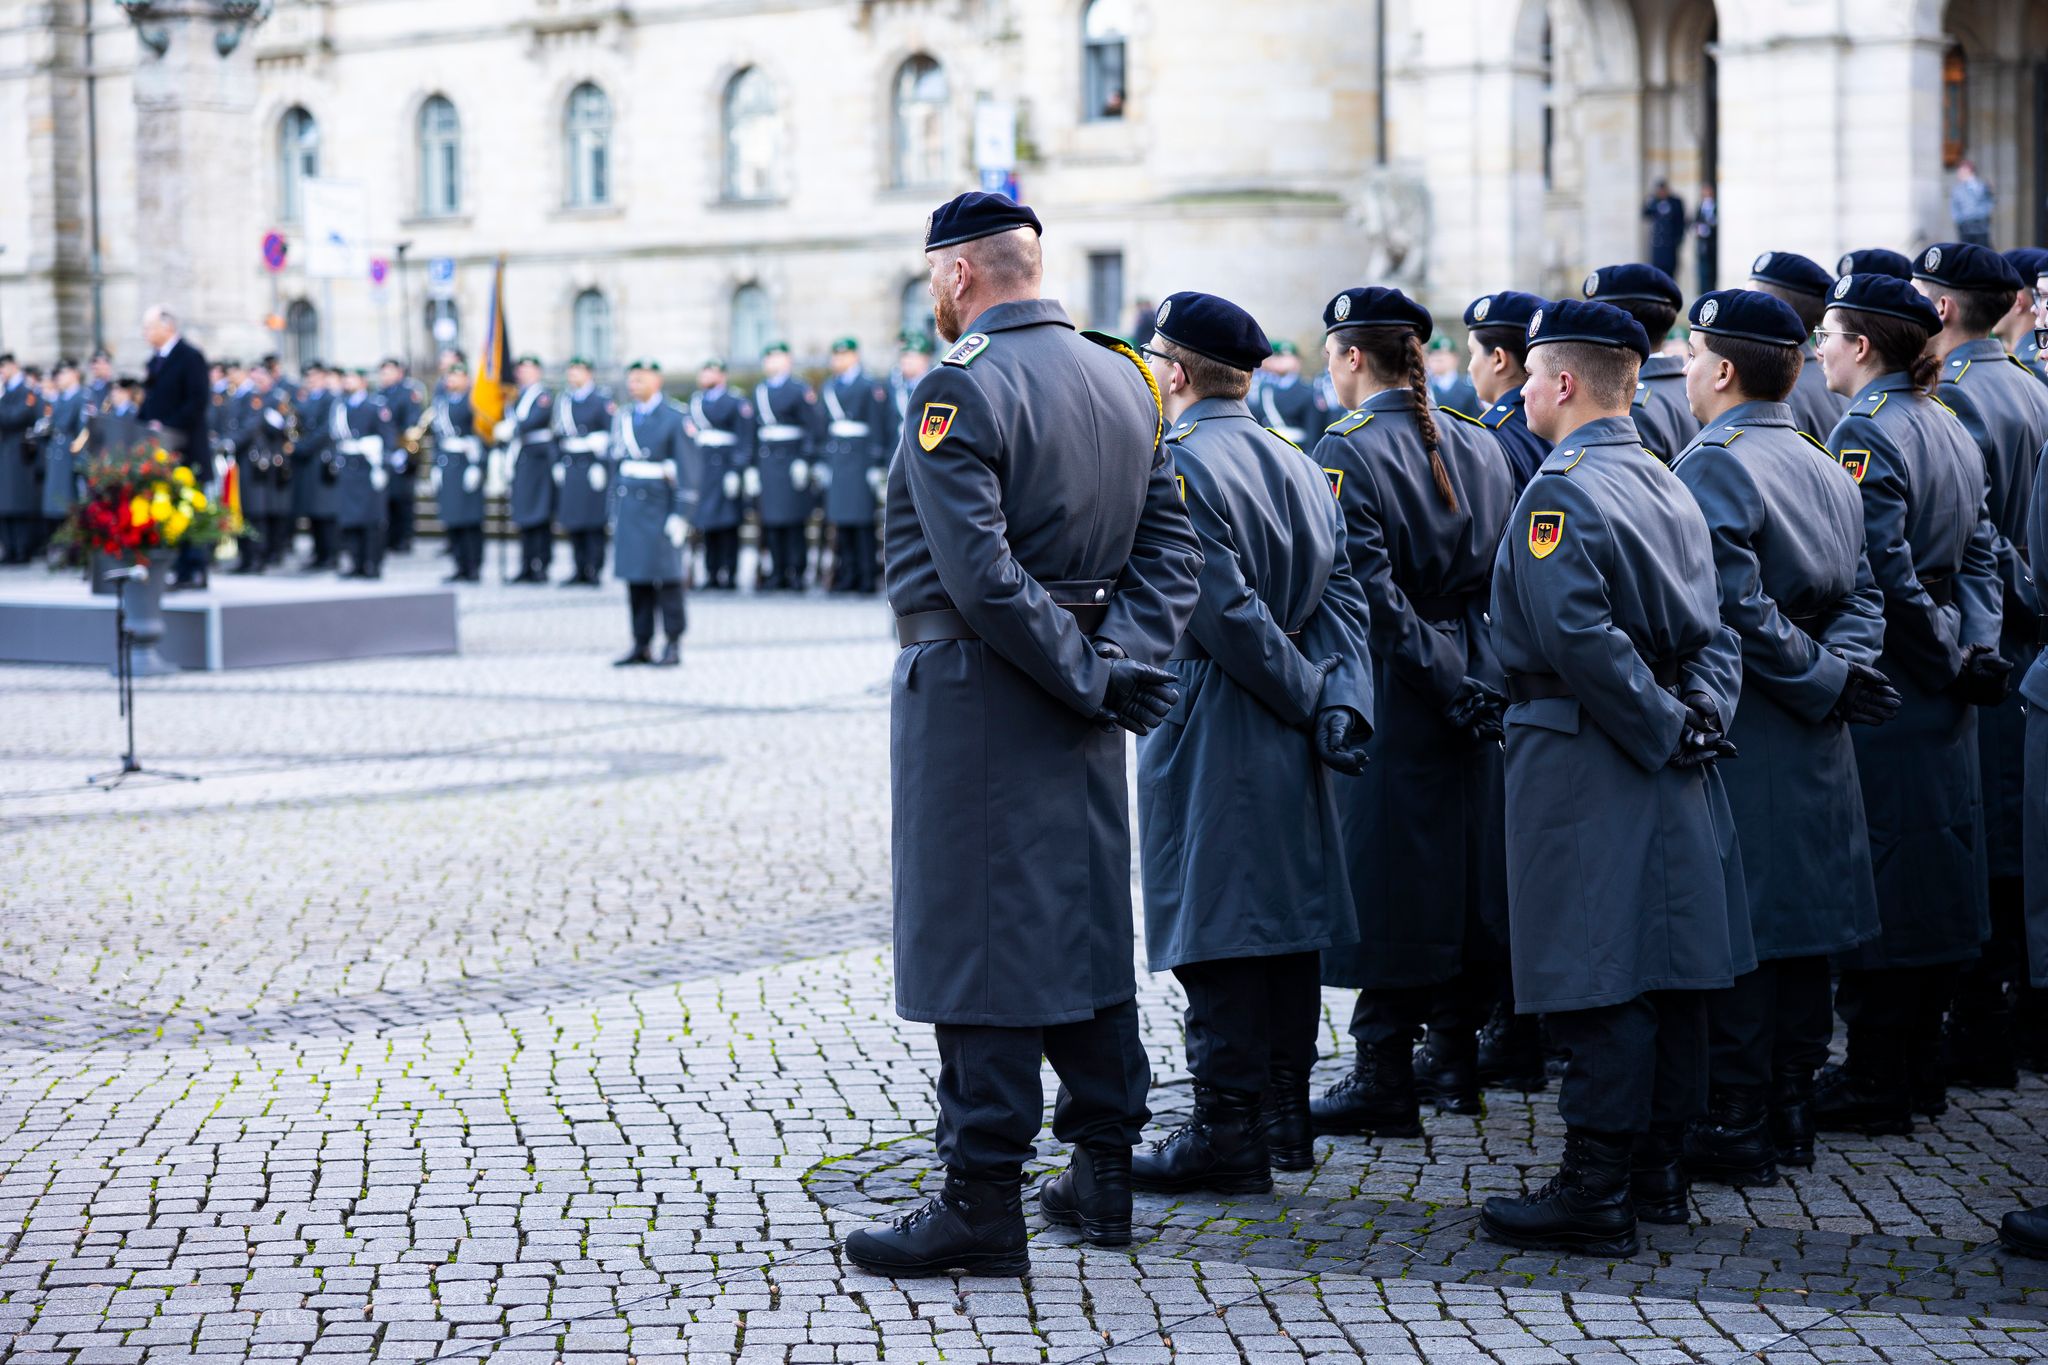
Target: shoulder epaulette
<point x="1283" y="436"/>
<point x="1961" y="368"/>
<point x="1876" y="401"/>
<point x="1128" y="352"/>
<point x="1723" y="439"/>
<point x="967" y="350"/>
<point x="1350" y="422"/>
<point x="1181" y="432"/>
<point x="2017" y="361"/>
<point x="1642" y="393"/>
<point x="1461" y="416"/>
<point x="1816" y="443"/>
<point x="1943" y="406"/>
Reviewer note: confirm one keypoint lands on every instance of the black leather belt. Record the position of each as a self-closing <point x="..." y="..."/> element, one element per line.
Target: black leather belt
<point x="1087" y="602"/>
<point x="1449" y="608"/>
<point x="1191" y="648"/>
<point x="1546" y="686"/>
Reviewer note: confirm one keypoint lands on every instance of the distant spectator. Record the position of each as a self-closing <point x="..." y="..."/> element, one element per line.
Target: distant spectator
<point x="1970" y="204"/>
<point x="1144" y="322"/>
<point x="1706" y="226"/>
<point x="1666" y="214"/>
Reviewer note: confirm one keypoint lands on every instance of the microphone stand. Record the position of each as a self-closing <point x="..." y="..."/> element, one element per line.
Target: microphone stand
<point x="124" y="674"/>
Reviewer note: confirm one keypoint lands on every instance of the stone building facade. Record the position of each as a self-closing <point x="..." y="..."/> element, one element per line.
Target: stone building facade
<point x="680" y="178"/>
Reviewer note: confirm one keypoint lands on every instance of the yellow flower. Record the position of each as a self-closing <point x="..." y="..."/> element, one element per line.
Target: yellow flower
<point x="179" y="521"/>
<point x="183" y="476"/>
<point x="138" y="510"/>
<point x="162" y="456"/>
<point x="198" y="501"/>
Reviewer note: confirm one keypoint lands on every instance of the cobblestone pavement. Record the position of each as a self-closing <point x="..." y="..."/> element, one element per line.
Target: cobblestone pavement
<point x="511" y="1007"/>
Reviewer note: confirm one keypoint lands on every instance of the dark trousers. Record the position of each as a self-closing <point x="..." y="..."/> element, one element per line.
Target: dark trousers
<point x="586" y="551"/>
<point x="466" y="548"/>
<point x="191" y="564"/>
<point x="855" y="568"/>
<point x="1635" y="1066"/>
<point x="1892" y="1016"/>
<point x="722" y="558"/>
<point x="536" y="551"/>
<point x="325" y="541"/>
<point x="1997" y="980"/>
<point x="1246" y="1015"/>
<point x="277" y="538"/>
<point x="18" y="538"/>
<point x="1774" y="1021"/>
<point x="641" y="600"/>
<point x="402" y="507"/>
<point x="363" y="547"/>
<point x="788" y="551"/>
<point x="991" y="1104"/>
<point x="1397" y="1014"/>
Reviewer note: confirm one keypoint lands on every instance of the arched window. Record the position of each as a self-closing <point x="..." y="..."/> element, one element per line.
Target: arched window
<point x="753" y="136"/>
<point x="917" y="310"/>
<point x="753" y="323"/>
<point x="921" y="95"/>
<point x="440" y="159"/>
<point x="298" y="160"/>
<point x="587" y="124"/>
<point x="592" y="330"/>
<point x="302" y="333"/>
<point x="1955" y="106"/>
<point x="1104" y="26"/>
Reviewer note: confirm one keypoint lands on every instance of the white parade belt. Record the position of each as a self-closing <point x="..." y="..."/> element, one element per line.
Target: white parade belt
<point x="782" y="432"/>
<point x="849" y="431"/>
<point x="716" y="438"/>
<point x="643" y="469"/>
<point x="465" y="445"/>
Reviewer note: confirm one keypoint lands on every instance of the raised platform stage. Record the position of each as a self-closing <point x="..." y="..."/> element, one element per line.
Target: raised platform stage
<point x="235" y="623"/>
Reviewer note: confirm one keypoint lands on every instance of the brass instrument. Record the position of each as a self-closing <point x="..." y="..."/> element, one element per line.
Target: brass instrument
<point x="416" y="434"/>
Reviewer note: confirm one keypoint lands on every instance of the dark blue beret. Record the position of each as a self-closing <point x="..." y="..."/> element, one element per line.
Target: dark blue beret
<point x="1966" y="266"/>
<point x="1790" y="270"/>
<point x="1377" y="307"/>
<point x="1747" y="315"/>
<point x="1875" y="260"/>
<point x="1508" y="308"/>
<point x="973" y="215"/>
<point x="1215" y="328"/>
<point x="1597" y="324"/>
<point x="1633" y="283"/>
<point x="2030" y="261"/>
<point x="1885" y="294"/>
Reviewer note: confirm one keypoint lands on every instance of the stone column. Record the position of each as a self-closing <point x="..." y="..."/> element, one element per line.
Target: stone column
<point x="197" y="152"/>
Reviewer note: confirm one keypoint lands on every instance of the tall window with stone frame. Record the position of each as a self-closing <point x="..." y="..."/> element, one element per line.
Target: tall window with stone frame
<point x="302" y="333"/>
<point x="1105" y="290"/>
<point x="592" y="329"/>
<point x="440" y="143"/>
<point x="444" y="324"/>
<point x="753" y="136"/>
<point x="587" y="128"/>
<point x="921" y="96"/>
<point x="1104" y="26"/>
<point x="298" y="160"/>
<point x="753" y="324"/>
<point x="917" y="310"/>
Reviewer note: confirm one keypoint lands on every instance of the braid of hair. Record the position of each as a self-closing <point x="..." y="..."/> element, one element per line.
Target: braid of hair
<point x="1425" y="421"/>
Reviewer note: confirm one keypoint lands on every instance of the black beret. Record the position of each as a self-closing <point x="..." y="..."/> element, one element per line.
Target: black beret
<point x="1790" y="270"/>
<point x="1748" y="315"/>
<point x="2030" y="261"/>
<point x="1966" y="266"/>
<point x="1633" y="283"/>
<point x="1597" y="324"/>
<point x="1377" y="307"/>
<point x="1215" y="328"/>
<point x="1508" y="308"/>
<point x="1888" y="295"/>
<point x="1875" y="260"/>
<point x="973" y="215"/>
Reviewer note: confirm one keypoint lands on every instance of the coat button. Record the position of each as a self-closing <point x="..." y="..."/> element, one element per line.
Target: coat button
<point x="1102" y="594"/>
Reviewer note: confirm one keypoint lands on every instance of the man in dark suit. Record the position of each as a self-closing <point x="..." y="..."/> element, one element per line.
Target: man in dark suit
<point x="175" y="397"/>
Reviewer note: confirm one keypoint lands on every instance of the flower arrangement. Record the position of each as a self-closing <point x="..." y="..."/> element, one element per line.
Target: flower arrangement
<point x="139" y="500"/>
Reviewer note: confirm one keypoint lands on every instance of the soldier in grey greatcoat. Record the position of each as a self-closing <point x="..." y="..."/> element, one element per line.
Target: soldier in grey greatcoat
<point x="21" y="503"/>
<point x="721" y="422"/>
<point x="527" y="432"/>
<point x="779" y="480"/>
<point x="853" y="464"/>
<point x="361" y="430"/>
<point x="458" y="477"/>
<point x="1040" y="565"/>
<point x="1802" y="285"/>
<point x="1652" y="298"/>
<point x="583" y="470"/>
<point x="657" y="496"/>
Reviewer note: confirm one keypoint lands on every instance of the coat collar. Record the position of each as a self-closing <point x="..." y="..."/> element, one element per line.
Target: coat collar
<point x="1503" y="407"/>
<point x="1006" y="317"/>
<point x="1895" y="382"/>
<point x="1601" y="431"/>
<point x="1662" y="366"/>
<point x="1208" y="409"/>
<point x="1389" y="400"/>
<point x="1983" y="348"/>
<point x="1756" y="413"/>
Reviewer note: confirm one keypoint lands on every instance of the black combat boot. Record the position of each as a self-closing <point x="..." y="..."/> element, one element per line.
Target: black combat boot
<point x="1980" y="1048"/>
<point x="1584" y="1208"/>
<point x="1447" y="1071"/>
<point x="1792" y="1118"/>
<point x="1732" y="1144"/>
<point x="671" y="655"/>
<point x="1290" y="1135"/>
<point x="1511" y="1052"/>
<point x="1092" y="1194"/>
<point x="1849" y="1100"/>
<point x="976" y="1226"/>
<point x="2025" y="1231"/>
<point x="1657" y="1184"/>
<point x="1926" y="1077"/>
<point x="1222" y="1147"/>
<point x="1376" y="1100"/>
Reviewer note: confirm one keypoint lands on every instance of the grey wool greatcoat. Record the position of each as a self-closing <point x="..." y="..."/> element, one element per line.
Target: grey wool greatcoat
<point x="1423" y="824"/>
<point x="61" y="463"/>
<point x="857" y="429"/>
<point x="1928" y="538"/>
<point x="458" y="463"/>
<point x="2034" y="688"/>
<point x="1030" y="474"/>
<point x="1662" y="415"/>
<point x="784" y="439"/>
<point x="1240" y="845"/>
<point x="362" y="434"/>
<point x="533" y="467"/>
<point x="721" y="422"/>
<point x="21" y="407"/>
<point x="312" y="481"/>
<point x="1815" y="408"/>
<point x="657" y="480"/>
<point x="1623" y="872"/>
<point x="2005" y="410"/>
<point x="583" y="459"/>
<point x="1787" y="529"/>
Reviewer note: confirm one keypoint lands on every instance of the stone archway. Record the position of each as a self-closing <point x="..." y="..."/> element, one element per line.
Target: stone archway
<point x="1997" y="67"/>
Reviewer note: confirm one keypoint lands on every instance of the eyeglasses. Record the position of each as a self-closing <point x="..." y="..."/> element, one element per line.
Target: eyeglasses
<point x="1157" y="355"/>
<point x="1821" y="334"/>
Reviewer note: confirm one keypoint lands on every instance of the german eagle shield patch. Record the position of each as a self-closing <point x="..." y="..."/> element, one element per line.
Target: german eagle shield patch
<point x="1546" y="533"/>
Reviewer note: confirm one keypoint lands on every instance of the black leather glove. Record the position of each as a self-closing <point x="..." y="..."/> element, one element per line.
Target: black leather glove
<point x="1139" y="696"/>
<point x="1340" y="740"/>
<point x="1983" y="678"/>
<point x="1868" y="697"/>
<point x="1702" y="741"/>
<point x="1477" y="709"/>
